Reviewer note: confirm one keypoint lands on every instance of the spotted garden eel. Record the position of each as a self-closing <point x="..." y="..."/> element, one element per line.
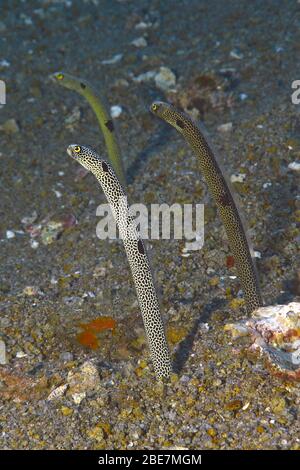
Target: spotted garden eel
<point x="136" y="254"/>
<point x="224" y="198"/>
<point x="85" y="89"/>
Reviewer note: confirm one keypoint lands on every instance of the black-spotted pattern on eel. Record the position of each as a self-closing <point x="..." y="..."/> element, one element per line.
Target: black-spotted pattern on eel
<point x="136" y="254"/>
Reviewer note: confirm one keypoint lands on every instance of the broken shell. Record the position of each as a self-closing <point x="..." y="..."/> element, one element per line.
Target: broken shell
<point x="275" y="333"/>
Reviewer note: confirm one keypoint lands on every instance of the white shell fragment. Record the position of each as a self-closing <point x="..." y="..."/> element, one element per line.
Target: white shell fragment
<point x="275" y="333"/>
<point x="234" y="54"/>
<point x="165" y="79"/>
<point x="145" y="77"/>
<point x="57" y="392"/>
<point x="115" y="111"/>
<point x="116" y="58"/>
<point x="295" y="166"/>
<point x="139" y="42"/>
<point x="78" y="397"/>
<point x="10" y="234"/>
<point x="226" y="127"/>
<point x="238" y="178"/>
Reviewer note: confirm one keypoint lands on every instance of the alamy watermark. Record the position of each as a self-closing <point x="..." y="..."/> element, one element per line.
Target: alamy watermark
<point x="2" y="353"/>
<point x="295" y="96"/>
<point x="160" y="221"/>
<point x="2" y="92"/>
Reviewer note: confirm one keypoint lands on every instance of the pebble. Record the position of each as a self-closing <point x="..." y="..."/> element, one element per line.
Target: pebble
<point x="21" y="354"/>
<point x="27" y="220"/>
<point x="51" y="231"/>
<point x="238" y="178"/>
<point x="121" y="82"/>
<point x="34" y="244"/>
<point x="165" y="80"/>
<point x="116" y="58"/>
<point x="227" y="127"/>
<point x="139" y="42"/>
<point x="31" y="291"/>
<point x="66" y="411"/>
<point x="66" y="356"/>
<point x="10" y="126"/>
<point x="78" y="397"/>
<point x="145" y="77"/>
<point x="295" y="166"/>
<point x="4" y="63"/>
<point x="115" y="111"/>
<point x="58" y="194"/>
<point x="235" y="54"/>
<point x="83" y="380"/>
<point x="142" y="25"/>
<point x="10" y="234"/>
<point x="74" y="117"/>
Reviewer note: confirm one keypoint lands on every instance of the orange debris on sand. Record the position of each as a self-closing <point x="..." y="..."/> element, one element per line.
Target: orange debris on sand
<point x="230" y="261"/>
<point x="88" y="337"/>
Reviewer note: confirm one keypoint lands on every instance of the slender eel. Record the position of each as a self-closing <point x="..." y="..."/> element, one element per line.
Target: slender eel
<point x="136" y="254"/>
<point x="106" y="123"/>
<point x="223" y="195"/>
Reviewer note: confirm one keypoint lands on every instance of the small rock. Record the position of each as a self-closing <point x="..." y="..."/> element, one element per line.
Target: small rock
<point x="31" y="291"/>
<point x="29" y="219"/>
<point x="145" y="77"/>
<point x="10" y="126"/>
<point x="78" y="397"/>
<point x="58" y="194"/>
<point x="139" y="42"/>
<point x="34" y="244"/>
<point x="21" y="354"/>
<point x="227" y="127"/>
<point x="4" y="63"/>
<point x="2" y="27"/>
<point x="165" y="79"/>
<point x="295" y="166"/>
<point x="116" y="58"/>
<point x="96" y="433"/>
<point x="274" y="332"/>
<point x="235" y="54"/>
<point x="66" y="356"/>
<point x="86" y="379"/>
<point x="238" y="178"/>
<point x="142" y="25"/>
<point x="115" y="111"/>
<point x="10" y="234"/>
<point x="74" y="117"/>
<point x="66" y="411"/>
<point x="121" y="82"/>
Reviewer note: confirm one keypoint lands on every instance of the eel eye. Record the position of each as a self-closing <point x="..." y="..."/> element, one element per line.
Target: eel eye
<point x="60" y="76"/>
<point x="77" y="149"/>
<point x="154" y="107"/>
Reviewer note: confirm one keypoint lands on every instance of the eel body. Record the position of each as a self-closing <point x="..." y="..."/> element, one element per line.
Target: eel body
<point x="222" y="193"/>
<point x="84" y="88"/>
<point x="136" y="254"/>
